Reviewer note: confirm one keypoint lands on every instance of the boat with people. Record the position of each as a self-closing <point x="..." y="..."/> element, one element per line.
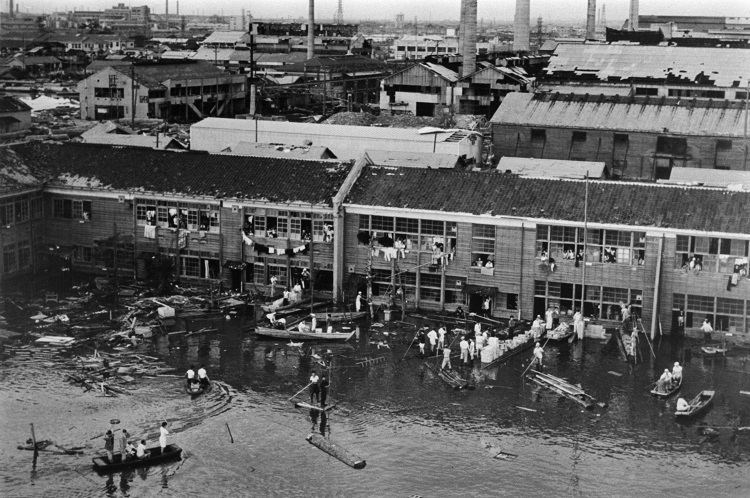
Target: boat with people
<point x="197" y="388"/>
<point x="340" y="316"/>
<point x="292" y="334"/>
<point x="153" y="456"/>
<point x="673" y="388"/>
<point x="697" y="404"/>
<point x="497" y="352"/>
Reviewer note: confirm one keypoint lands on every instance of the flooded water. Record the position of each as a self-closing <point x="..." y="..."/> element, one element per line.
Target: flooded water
<point x="418" y="436"/>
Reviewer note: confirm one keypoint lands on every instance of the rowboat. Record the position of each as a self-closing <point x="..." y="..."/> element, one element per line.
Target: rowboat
<point x="197" y="388"/>
<point x="278" y="305"/>
<point x="339" y="316"/>
<point x="449" y="377"/>
<point x="155" y="455"/>
<point x="697" y="404"/>
<point x="303" y="336"/>
<point x="710" y="350"/>
<point x="668" y="392"/>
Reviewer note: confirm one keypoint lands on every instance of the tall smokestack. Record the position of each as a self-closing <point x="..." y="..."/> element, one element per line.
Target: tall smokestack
<point x="521" y="26"/>
<point x="178" y="8"/>
<point x="311" y="29"/>
<point x="470" y="35"/>
<point x="591" y="21"/>
<point x="10" y="10"/>
<point x="166" y="12"/>
<point x="633" y="15"/>
<point x="462" y="28"/>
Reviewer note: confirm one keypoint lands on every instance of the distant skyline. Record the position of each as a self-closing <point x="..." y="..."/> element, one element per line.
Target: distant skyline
<point x="424" y="10"/>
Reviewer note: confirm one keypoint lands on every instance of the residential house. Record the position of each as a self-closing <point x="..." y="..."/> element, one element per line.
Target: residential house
<point x="15" y="115"/>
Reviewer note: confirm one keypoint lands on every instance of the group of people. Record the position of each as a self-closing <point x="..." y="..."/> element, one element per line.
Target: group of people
<point x="669" y="380"/>
<point x="128" y="450"/>
<point x="319" y="388"/>
<point x="201" y="378"/>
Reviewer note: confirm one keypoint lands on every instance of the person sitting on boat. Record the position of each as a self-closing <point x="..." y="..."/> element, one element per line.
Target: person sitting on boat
<point x="682" y="405"/>
<point x="130" y="451"/>
<point x="141" y="451"/>
<point x="664" y="381"/>
<point x="303" y="327"/>
<point x="676" y="373"/>
<point x="190" y="376"/>
<point x="278" y="324"/>
<point x="202" y="377"/>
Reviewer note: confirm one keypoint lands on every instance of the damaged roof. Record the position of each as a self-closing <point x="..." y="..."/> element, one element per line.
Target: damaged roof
<point x="720" y="67"/>
<point x="501" y="194"/>
<point x="660" y="115"/>
<point x="199" y="174"/>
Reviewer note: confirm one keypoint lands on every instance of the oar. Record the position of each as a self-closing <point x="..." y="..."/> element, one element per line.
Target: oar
<point x="300" y="391"/>
<point x="410" y="344"/>
<point x="230" y="434"/>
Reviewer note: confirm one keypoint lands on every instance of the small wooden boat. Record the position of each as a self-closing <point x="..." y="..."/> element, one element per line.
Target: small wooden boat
<point x="697" y="404"/>
<point x="278" y="305"/>
<point x="559" y="337"/>
<point x="710" y="350"/>
<point x="669" y="392"/>
<point x="303" y="336"/>
<point x="197" y="388"/>
<point x="171" y="452"/>
<point x="339" y="316"/>
<point x="563" y="388"/>
<point x="510" y="353"/>
<point x="450" y="377"/>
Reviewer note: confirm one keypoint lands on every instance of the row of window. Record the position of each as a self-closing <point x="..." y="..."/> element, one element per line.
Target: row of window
<point x="711" y="254"/>
<point x="300" y="225"/>
<point x="21" y="208"/>
<point x="72" y="209"/>
<point x="723" y="313"/>
<point x="173" y="215"/>
<point x="560" y="243"/>
<point x="599" y="302"/>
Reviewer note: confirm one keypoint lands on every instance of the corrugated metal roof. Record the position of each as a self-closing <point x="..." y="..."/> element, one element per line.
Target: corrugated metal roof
<point x="227" y="37"/>
<point x="551" y="168"/>
<point x="623" y="90"/>
<point x="633" y="114"/>
<point x="443" y="71"/>
<point x="411" y="159"/>
<point x="499" y="194"/>
<point x="325" y="130"/>
<point x="130" y="140"/>
<point x="278" y="150"/>
<point x="709" y="177"/>
<point x="172" y="173"/>
<point x="720" y="67"/>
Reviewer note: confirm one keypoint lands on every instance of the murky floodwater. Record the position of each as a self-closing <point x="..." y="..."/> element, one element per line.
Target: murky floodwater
<point x="418" y="436"/>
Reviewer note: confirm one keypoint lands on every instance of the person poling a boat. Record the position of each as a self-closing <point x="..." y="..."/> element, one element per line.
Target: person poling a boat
<point x="676" y="373"/>
<point x="163" y="433"/>
<point x="314" y="387"/>
<point x="109" y="445"/>
<point x="447" y="358"/>
<point x="538" y="355"/>
<point x="682" y="405"/>
<point x="664" y="381"/>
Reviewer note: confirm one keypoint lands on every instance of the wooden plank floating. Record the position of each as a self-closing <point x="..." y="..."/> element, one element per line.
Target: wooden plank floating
<point x="563" y="388"/>
<point x="449" y="377"/>
<point x="336" y="451"/>
<point x="308" y="406"/>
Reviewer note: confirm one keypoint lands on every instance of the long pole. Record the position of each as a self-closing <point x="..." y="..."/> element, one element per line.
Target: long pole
<point x="312" y="260"/>
<point x="585" y="240"/>
<point x="747" y="104"/>
<point x="132" y="93"/>
<point x="532" y="360"/>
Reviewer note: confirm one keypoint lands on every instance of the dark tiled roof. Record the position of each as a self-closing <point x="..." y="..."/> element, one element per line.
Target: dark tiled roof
<point x="635" y="204"/>
<point x="337" y="63"/>
<point x="11" y="104"/>
<point x="185" y="173"/>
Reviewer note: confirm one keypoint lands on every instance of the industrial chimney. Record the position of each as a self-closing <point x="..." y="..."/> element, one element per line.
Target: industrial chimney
<point x="311" y="30"/>
<point x="462" y="28"/>
<point x="591" y="21"/>
<point x="166" y="12"/>
<point x="521" y="26"/>
<point x="10" y="10"/>
<point x="633" y="15"/>
<point x="470" y="36"/>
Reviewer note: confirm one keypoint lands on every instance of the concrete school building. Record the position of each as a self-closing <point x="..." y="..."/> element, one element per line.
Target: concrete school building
<point x="637" y="137"/>
<point x="443" y="237"/>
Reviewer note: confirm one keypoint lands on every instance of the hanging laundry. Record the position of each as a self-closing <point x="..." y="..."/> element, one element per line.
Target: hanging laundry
<point x="149" y="231"/>
<point x="247" y="240"/>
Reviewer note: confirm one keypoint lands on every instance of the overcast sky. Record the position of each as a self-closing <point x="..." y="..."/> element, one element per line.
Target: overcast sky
<point x="425" y="10"/>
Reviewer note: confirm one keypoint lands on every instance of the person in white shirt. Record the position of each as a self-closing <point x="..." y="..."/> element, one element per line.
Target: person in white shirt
<point x="202" y="376"/>
<point x="477" y="328"/>
<point x="190" y="376"/>
<point x="163" y="433"/>
<point x="358" y="301"/>
<point x="432" y="335"/>
<point x="664" y="380"/>
<point x="464" y="346"/>
<point x="472" y="349"/>
<point x="676" y="373"/>
<point x="315" y="387"/>
<point x="141" y="452"/>
<point x="538" y="355"/>
<point x="441" y="337"/>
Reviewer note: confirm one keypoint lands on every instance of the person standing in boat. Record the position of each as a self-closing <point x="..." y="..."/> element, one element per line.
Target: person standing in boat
<point x="578" y="324"/>
<point x="324" y="383"/>
<point x="447" y="358"/>
<point x="548" y="319"/>
<point x="432" y="335"/>
<point x="163" y="433"/>
<point x="707" y="329"/>
<point x="538" y="355"/>
<point x="314" y="387"/>
<point x="358" y="302"/>
<point x="109" y="445"/>
<point x="676" y="373"/>
<point x="124" y="444"/>
<point x="464" y="346"/>
<point x="441" y="337"/>
<point x="420" y="340"/>
<point x="472" y="349"/>
<point x="203" y="377"/>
